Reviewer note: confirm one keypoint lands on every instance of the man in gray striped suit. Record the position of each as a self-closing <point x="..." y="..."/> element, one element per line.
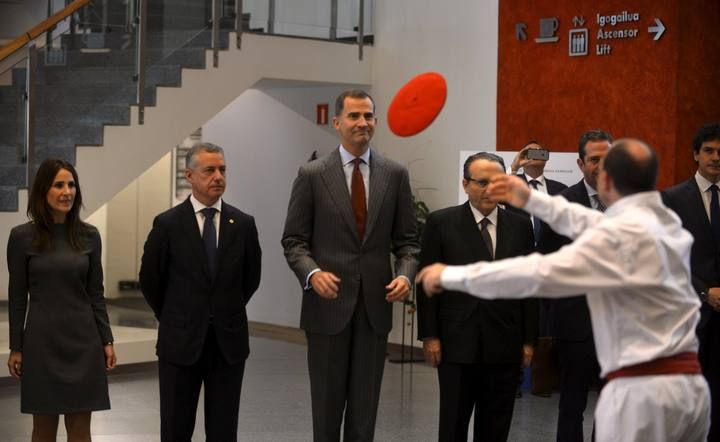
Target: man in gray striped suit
<point x="348" y="212"/>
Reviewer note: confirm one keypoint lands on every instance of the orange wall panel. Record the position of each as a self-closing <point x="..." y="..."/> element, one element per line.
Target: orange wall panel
<point x="637" y="90"/>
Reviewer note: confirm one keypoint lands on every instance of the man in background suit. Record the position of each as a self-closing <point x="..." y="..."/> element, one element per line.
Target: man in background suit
<point x="534" y="170"/>
<point x="477" y="346"/>
<point x="348" y="211"/>
<point x="696" y="202"/>
<point x="569" y="318"/>
<point x="544" y="370"/>
<point x="200" y="266"/>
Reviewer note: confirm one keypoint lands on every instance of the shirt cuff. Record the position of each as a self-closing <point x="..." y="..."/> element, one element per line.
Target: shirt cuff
<point x="308" y="286"/>
<point x="453" y="278"/>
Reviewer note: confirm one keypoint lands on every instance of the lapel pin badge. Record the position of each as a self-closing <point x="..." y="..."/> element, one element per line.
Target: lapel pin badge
<point x="232" y="221"/>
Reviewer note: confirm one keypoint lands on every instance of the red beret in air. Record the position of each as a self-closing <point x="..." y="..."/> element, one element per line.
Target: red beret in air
<point x="417" y="104"/>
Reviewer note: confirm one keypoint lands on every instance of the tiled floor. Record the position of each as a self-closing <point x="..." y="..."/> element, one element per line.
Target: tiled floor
<point x="275" y="404"/>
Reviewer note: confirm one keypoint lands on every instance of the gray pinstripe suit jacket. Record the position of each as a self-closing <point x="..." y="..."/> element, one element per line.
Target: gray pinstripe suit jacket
<point x="320" y="233"/>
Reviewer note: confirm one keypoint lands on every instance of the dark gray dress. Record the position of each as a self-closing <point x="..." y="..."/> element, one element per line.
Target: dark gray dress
<point x="63" y="368"/>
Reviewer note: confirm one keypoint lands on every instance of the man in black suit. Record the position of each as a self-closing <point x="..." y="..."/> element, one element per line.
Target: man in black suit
<point x="696" y="202"/>
<point x="535" y="170"/>
<point x="200" y="266"/>
<point x="477" y="346"/>
<point x="569" y="318"/>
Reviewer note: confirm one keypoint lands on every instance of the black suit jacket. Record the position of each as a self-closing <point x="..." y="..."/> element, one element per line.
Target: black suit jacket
<point x="184" y="296"/>
<point x="568" y="318"/>
<point x="685" y="199"/>
<point x="471" y="329"/>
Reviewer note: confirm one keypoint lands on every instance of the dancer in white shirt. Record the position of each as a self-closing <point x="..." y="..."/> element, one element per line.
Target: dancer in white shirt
<point x="633" y="263"/>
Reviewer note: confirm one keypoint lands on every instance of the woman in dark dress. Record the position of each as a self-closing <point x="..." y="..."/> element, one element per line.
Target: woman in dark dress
<point x="62" y="351"/>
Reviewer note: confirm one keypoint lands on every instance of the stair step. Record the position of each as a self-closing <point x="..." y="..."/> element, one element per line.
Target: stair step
<point x="11" y="153"/>
<point x="186" y="57"/>
<point x="12" y="175"/>
<point x="60" y="133"/>
<point x="93" y="94"/>
<point x="117" y="76"/>
<point x="8" y="199"/>
<point x="85" y="114"/>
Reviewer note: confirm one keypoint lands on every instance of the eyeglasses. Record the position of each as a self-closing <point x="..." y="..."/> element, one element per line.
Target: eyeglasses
<point x="481" y="183"/>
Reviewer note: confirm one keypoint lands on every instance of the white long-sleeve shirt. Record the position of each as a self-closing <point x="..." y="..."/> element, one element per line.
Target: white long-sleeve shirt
<point x="633" y="262"/>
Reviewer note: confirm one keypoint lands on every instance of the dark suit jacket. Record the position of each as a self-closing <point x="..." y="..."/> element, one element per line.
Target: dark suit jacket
<point x="320" y="232"/>
<point x="569" y="318"/>
<point x="685" y="199"/>
<point x="176" y="282"/>
<point x="553" y="188"/>
<point x="470" y="329"/>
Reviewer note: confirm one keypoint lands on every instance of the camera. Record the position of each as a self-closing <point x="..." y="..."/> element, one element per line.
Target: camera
<point x="538" y="154"/>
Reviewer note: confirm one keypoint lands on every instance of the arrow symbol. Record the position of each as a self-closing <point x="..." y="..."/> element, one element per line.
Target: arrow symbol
<point x="659" y="29"/>
<point x="520" y="31"/>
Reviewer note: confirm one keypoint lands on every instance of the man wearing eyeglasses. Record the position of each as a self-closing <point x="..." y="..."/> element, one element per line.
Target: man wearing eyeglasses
<point x="477" y="346"/>
<point x="348" y="211"/>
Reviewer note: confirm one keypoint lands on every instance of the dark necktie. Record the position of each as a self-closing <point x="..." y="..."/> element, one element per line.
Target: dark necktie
<point x="715" y="213"/>
<point x="209" y="237"/>
<point x="358" y="198"/>
<point x="598" y="203"/>
<point x="535" y="220"/>
<point x="487" y="239"/>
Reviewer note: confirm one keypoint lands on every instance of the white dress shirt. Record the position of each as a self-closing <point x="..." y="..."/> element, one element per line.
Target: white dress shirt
<point x="633" y="262"/>
<point x="198" y="207"/>
<point x="492" y="225"/>
<point x="704" y="186"/>
<point x="541" y="186"/>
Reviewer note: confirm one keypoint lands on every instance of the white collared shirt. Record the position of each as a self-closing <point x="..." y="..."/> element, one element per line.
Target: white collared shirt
<point x="198" y="207"/>
<point x="704" y="186"/>
<point x="542" y="185"/>
<point x="348" y="166"/>
<point x="633" y="262"/>
<point x="491" y="227"/>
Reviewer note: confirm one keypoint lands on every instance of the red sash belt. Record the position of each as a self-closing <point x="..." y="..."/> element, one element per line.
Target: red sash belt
<point x="681" y="363"/>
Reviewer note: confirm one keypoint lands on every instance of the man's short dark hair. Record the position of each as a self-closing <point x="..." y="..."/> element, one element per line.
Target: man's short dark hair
<point x="630" y="173"/>
<point x="353" y="93"/>
<point x="708" y="132"/>
<point x="592" y="135"/>
<point x="481" y="156"/>
<point x="533" y="142"/>
<point x="201" y="147"/>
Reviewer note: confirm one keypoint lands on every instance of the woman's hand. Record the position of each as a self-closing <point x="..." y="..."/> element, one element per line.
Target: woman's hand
<point x="110" y="359"/>
<point x="15" y="364"/>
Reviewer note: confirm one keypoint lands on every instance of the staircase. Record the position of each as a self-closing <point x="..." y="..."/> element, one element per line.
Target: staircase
<point x="96" y="86"/>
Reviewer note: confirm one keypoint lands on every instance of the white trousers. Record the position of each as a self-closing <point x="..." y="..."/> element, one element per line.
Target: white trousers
<point x="668" y="408"/>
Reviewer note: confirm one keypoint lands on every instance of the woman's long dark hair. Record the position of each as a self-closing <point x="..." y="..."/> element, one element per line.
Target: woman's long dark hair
<point x="40" y="212"/>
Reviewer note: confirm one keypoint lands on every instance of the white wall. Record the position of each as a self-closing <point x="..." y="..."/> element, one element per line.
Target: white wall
<point x="267" y="134"/>
<point x="459" y="40"/>
<point x="130" y="214"/>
